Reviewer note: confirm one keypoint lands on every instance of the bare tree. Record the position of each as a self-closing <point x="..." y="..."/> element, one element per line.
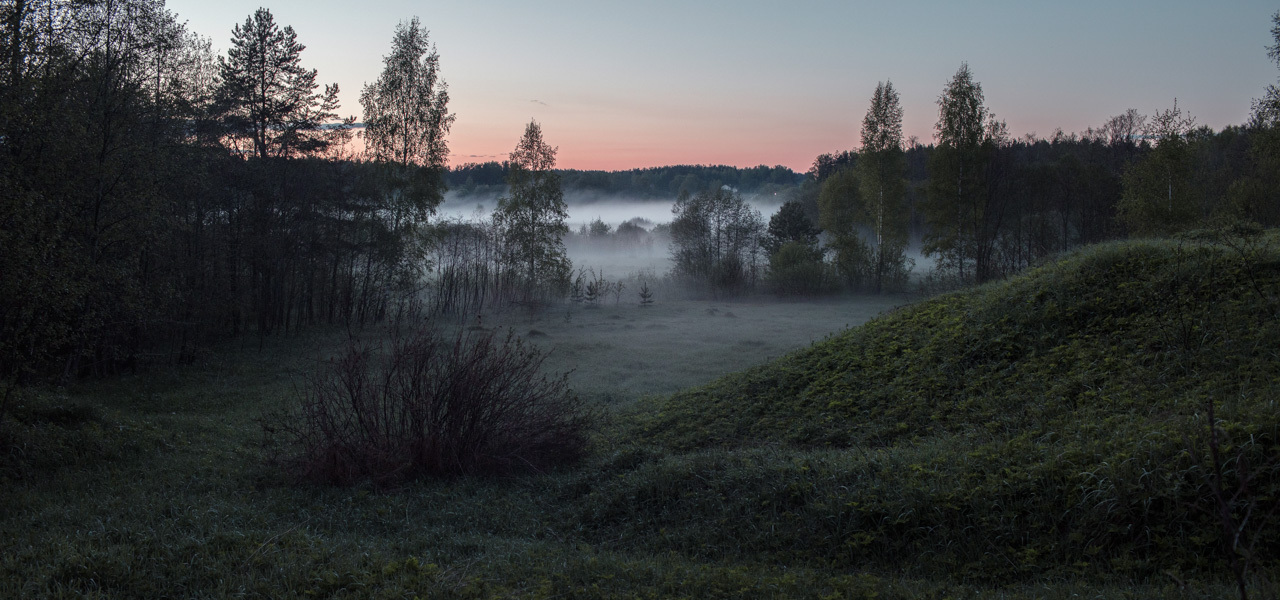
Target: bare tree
<point x="1124" y="128"/>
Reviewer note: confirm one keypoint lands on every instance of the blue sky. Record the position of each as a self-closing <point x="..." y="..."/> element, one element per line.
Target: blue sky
<point x="620" y="84"/>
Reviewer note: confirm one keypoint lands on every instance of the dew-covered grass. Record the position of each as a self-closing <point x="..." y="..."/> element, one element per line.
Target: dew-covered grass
<point x="1043" y="437"/>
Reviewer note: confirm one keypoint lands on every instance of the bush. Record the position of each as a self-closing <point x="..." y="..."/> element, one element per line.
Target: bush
<point x="427" y="406"/>
<point x="797" y="269"/>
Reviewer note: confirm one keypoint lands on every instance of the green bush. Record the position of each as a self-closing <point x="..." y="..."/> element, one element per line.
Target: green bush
<point x="798" y="270"/>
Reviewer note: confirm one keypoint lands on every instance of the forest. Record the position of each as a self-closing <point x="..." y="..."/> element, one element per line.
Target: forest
<point x="163" y="207"/>
<point x="639" y="184"/>
<point x="157" y="197"/>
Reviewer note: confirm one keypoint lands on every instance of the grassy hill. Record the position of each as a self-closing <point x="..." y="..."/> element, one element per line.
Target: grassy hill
<point x="1128" y="331"/>
<point x="1053" y="423"/>
<point x="1046" y="436"/>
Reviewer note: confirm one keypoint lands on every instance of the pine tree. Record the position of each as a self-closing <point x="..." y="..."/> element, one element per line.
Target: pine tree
<point x="646" y="296"/>
<point x="267" y="97"/>
<point x="790" y="224"/>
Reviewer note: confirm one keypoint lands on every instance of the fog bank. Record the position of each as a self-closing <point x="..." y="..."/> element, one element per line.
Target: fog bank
<point x="584" y="208"/>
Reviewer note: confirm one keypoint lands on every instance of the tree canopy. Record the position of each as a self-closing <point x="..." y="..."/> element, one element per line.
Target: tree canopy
<point x="532" y="217"/>
<point x="406" y="116"/>
<point x="267" y="97"/>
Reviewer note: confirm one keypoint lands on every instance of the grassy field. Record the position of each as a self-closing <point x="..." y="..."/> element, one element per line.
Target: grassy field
<point x="620" y="352"/>
<point x="1043" y="437"/>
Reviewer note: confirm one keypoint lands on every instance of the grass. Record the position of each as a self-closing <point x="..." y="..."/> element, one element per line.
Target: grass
<point x="1020" y="440"/>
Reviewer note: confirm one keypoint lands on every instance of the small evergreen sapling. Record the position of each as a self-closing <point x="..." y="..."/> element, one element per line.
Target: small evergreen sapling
<point x="646" y="296"/>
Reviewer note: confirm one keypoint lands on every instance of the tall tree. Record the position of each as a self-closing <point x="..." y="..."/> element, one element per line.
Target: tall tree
<point x="1257" y="195"/>
<point x="840" y="212"/>
<point x="796" y="263"/>
<point x="406" y="114"/>
<point x="960" y="227"/>
<point x="1159" y="195"/>
<point x="532" y="217"/>
<point x="1266" y="110"/>
<point x="882" y="168"/>
<point x="406" y="119"/>
<point x="267" y="97"/>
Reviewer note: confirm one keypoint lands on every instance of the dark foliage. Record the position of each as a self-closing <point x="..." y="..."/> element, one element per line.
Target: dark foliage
<point x="790" y="224"/>
<point x="656" y="182"/>
<point x="145" y="213"/>
<point x="796" y="269"/>
<point x="715" y="239"/>
<point x="428" y="406"/>
<point x="1060" y="413"/>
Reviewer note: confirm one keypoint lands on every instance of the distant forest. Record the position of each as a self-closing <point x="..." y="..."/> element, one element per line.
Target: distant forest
<point x="640" y="184"/>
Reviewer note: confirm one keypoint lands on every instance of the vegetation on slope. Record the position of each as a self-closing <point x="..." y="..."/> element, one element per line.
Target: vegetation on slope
<point x="1055" y="421"/>
<point x="1042" y="437"/>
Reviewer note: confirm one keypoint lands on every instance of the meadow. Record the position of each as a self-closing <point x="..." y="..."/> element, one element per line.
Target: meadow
<point x="616" y="353"/>
<point x="1033" y="438"/>
<point x="156" y="485"/>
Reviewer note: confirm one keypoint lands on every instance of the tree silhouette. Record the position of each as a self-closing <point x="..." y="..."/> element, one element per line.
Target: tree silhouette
<point x="1158" y="189"/>
<point x="267" y="97"/>
<point x="962" y="229"/>
<point x="715" y="239"/>
<point x="532" y="217"/>
<point x="406" y="114"/>
<point x="882" y="168"/>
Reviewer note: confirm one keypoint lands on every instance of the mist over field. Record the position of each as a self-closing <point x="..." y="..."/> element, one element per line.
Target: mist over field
<point x="649" y="255"/>
<point x="619" y="351"/>
<point x="586" y="207"/>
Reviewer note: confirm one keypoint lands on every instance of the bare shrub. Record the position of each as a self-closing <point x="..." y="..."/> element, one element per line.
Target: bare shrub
<point x="423" y="405"/>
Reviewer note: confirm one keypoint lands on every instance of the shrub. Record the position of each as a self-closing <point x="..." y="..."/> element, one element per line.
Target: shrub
<point x="797" y="269"/>
<point x="423" y="405"/>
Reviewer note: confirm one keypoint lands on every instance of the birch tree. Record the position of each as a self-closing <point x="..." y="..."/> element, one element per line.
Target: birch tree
<point x="959" y="226"/>
<point x="882" y="169"/>
<point x="406" y="116"/>
<point x="532" y="217"/>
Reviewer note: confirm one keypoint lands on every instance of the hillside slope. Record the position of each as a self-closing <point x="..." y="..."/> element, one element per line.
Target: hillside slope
<point x="1055" y="421"/>
<point x="1131" y="330"/>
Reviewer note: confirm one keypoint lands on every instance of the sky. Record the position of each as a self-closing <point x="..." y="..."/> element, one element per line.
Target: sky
<point x="624" y="84"/>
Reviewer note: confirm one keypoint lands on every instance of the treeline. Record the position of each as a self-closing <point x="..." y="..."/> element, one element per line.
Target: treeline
<point x="155" y="197"/>
<point x="984" y="205"/>
<point x="651" y="183"/>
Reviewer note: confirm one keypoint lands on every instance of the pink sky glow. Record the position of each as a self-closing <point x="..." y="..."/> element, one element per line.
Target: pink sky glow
<point x="621" y="85"/>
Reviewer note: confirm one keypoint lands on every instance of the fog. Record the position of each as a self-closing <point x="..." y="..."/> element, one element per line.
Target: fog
<point x="617" y="350"/>
<point x="647" y="258"/>
<point x="584" y="208"/>
<point x="617" y="259"/>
